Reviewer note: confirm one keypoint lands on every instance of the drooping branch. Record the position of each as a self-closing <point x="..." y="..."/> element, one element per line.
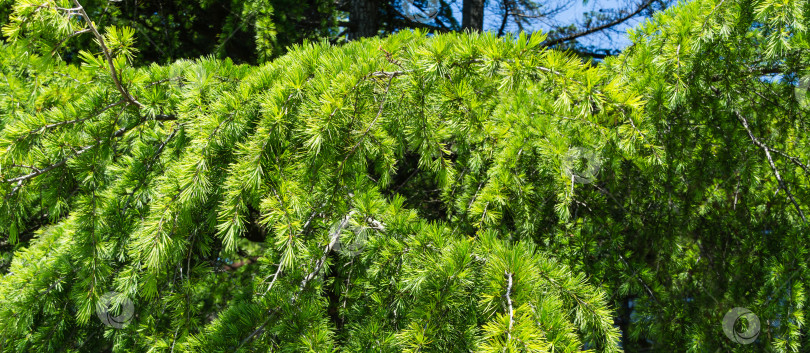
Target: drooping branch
<point x="128" y="97"/>
<point x="333" y="239"/>
<point x="792" y="159"/>
<point x="509" y="303"/>
<point x="50" y="167"/>
<point x="377" y="117"/>
<point x="362" y="138"/>
<point x="20" y="179"/>
<point x="68" y="122"/>
<point x="641" y="280"/>
<point x="770" y="161"/>
<point x="149" y="165"/>
<point x="275" y="277"/>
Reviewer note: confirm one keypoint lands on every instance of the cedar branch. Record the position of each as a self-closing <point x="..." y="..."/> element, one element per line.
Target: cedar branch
<point x="770" y="161"/>
<point x="128" y="97"/>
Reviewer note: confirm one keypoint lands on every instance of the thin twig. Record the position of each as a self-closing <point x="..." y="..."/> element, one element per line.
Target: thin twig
<point x="75" y="154"/>
<point x="152" y="161"/>
<point x="588" y="31"/>
<point x="365" y="133"/>
<point x="333" y="239"/>
<point x="58" y="124"/>
<point x="107" y="56"/>
<point x="275" y="277"/>
<point x="509" y="303"/>
<point x="770" y="161"/>
<point x="76" y="33"/>
<point x="641" y="280"/>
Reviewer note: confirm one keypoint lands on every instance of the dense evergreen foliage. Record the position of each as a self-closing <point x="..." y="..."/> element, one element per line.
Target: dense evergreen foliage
<point x="166" y="30"/>
<point x="255" y="31"/>
<point x="453" y="192"/>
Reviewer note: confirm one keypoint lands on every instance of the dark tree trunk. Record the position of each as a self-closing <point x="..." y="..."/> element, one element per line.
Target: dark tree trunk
<point x="472" y="14"/>
<point x="362" y="19"/>
<point x="505" y="17"/>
